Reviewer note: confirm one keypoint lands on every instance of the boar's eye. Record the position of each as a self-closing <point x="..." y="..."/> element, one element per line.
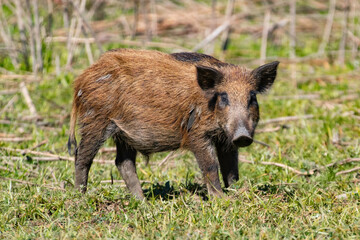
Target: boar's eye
<point x="224" y="100"/>
<point x="252" y="99"/>
<point x="221" y="98"/>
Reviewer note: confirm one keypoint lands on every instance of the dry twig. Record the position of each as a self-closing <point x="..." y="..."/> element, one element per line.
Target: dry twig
<point x="285" y="119"/>
<point x="58" y="157"/>
<point x="265" y="34"/>
<point x="348" y="171"/>
<point x="15" y="139"/>
<point x="169" y="156"/>
<point x="28" y="100"/>
<point x="327" y="30"/>
<point x="311" y="171"/>
<point x="266" y="130"/>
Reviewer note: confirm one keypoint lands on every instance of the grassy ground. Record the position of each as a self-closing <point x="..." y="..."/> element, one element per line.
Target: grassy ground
<point x="267" y="202"/>
<point x="38" y="200"/>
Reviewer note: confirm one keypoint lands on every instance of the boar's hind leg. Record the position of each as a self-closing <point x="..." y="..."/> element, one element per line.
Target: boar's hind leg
<point x="84" y="156"/>
<point x="209" y="167"/>
<point x="125" y="162"/>
<point x="228" y="160"/>
<point x="91" y="141"/>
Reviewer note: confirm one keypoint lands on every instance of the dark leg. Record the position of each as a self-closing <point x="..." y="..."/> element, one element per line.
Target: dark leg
<point x="228" y="160"/>
<point x="206" y="159"/>
<point x="125" y="162"/>
<point x="84" y="156"/>
<point x="91" y="140"/>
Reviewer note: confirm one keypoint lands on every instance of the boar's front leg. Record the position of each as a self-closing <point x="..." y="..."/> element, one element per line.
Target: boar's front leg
<point x="125" y="162"/>
<point x="228" y="160"/>
<point x="208" y="164"/>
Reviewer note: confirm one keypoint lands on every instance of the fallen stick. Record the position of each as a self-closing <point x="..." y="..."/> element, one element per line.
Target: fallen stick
<point x="213" y="35"/>
<point x="286" y="119"/>
<point x="15" y="139"/>
<point x="311" y="171"/>
<point x="40" y="159"/>
<point x="297" y="172"/>
<point x="26" y="78"/>
<point x="266" y="130"/>
<point x="262" y="143"/>
<point x="344" y="98"/>
<point x="342" y="162"/>
<point x="107" y="149"/>
<point x="116" y="39"/>
<point x="9" y="91"/>
<point x="300" y="97"/>
<point x="87" y="25"/>
<point x="121" y="181"/>
<point x="7" y="135"/>
<point x="348" y="171"/>
<point x="62" y="158"/>
<point x="170" y="156"/>
<point x="39" y="144"/>
<point x="166" y="158"/>
<point x="27" y="98"/>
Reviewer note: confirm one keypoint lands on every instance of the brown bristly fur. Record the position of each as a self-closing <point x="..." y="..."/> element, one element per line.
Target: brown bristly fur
<point x="143" y="99"/>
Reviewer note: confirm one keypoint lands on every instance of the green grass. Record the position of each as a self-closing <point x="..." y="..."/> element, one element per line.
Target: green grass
<point x="38" y="199"/>
<point x="268" y="202"/>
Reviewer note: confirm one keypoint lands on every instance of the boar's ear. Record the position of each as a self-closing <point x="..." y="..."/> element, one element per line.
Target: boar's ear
<point x="208" y="77"/>
<point x="265" y="76"/>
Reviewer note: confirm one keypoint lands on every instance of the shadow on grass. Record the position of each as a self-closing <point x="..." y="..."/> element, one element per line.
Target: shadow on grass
<point x="168" y="192"/>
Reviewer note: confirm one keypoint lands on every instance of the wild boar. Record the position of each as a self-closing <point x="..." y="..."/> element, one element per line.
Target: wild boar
<point x="149" y="101"/>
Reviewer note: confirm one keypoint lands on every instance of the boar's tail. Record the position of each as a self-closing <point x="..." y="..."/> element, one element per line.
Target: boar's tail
<point x="72" y="139"/>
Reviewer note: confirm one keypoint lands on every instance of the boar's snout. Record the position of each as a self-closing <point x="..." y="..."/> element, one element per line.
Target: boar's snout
<point x="242" y="137"/>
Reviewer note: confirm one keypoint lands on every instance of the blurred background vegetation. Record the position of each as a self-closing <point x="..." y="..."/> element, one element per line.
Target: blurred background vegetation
<point x="310" y="120"/>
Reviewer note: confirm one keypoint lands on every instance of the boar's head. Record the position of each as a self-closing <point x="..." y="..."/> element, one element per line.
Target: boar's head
<point x="231" y="91"/>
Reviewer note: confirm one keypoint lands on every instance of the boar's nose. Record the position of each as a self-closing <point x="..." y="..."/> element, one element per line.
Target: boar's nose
<point x="242" y="137"/>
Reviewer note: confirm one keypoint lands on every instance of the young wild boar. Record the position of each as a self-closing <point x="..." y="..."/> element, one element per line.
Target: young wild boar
<point x="149" y="101"/>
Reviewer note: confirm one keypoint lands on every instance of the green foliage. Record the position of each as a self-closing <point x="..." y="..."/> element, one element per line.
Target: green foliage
<point x="267" y="202"/>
